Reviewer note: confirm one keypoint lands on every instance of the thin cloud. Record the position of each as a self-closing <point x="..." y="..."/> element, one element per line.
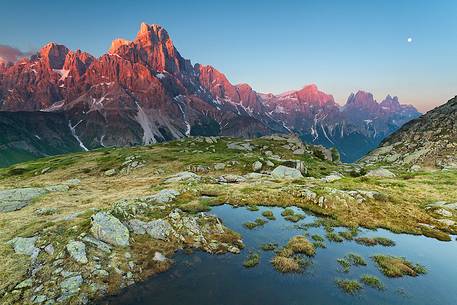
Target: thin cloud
<point x="11" y="54"/>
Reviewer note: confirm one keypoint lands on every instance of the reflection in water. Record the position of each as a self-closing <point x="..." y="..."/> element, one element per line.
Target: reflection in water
<point x="200" y="278"/>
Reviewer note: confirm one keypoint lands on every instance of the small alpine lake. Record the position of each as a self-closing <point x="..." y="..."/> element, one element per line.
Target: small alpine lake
<point x="199" y="278"/>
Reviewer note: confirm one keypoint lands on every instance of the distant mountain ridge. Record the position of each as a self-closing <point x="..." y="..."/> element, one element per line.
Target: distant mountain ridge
<point x="143" y="91"/>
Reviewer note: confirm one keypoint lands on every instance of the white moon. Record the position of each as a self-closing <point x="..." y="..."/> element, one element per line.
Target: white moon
<point x="410" y="39"/>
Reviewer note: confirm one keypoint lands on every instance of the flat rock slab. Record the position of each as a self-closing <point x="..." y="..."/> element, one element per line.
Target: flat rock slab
<point x="16" y="199"/>
<point x="24" y="245"/>
<point x="109" y="229"/>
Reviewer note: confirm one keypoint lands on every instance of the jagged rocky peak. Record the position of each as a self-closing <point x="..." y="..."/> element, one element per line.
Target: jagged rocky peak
<point x="117" y="43"/>
<point x="312" y="94"/>
<point x="154" y="48"/>
<point x="54" y="55"/>
<point x="215" y="81"/>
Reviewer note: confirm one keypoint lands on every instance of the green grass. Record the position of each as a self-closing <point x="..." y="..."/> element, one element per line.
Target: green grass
<point x="351" y="287"/>
<point x="345" y="264"/>
<point x="372" y="281"/>
<point x="317" y="237"/>
<point x="371" y="242"/>
<point x="393" y="266"/>
<point x="333" y="237"/>
<point x="253" y="224"/>
<point x="269" y="247"/>
<point x="269" y="215"/>
<point x="252" y="260"/>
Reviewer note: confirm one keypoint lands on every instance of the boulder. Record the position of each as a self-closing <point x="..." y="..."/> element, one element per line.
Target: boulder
<point x="16" y="199"/>
<point x="159" y="257"/>
<point x="98" y="244"/>
<point x="240" y="146"/>
<point x="380" y="172"/>
<point x="219" y="166"/>
<point x="77" y="251"/>
<point x="182" y="176"/>
<point x="110" y="172"/>
<point x="109" y="229"/>
<point x="231" y="179"/>
<point x="284" y="172"/>
<point x="164" y="196"/>
<point x="257" y="166"/>
<point x="332" y="177"/>
<point x="23" y="245"/>
<point x="70" y="286"/>
<point x="159" y="229"/>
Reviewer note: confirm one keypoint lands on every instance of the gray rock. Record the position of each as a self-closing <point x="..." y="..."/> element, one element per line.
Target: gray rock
<point x="108" y="228"/>
<point x="164" y="196"/>
<point x="240" y="146"/>
<point x="38" y="299"/>
<point x="110" y="172"/>
<point x="159" y="257"/>
<point x="45" y="211"/>
<point x="257" y="166"/>
<point x="23" y="245"/>
<point x="182" y="176"/>
<point x="138" y="226"/>
<point x="70" y="286"/>
<point x="254" y="176"/>
<point x="332" y="177"/>
<point x="49" y="249"/>
<point x="77" y="251"/>
<point x="299" y="151"/>
<point x="72" y="182"/>
<point x="24" y="284"/>
<point x="300" y="165"/>
<point x="269" y="163"/>
<point x="159" y="229"/>
<point x="447" y="222"/>
<point x="16" y="199"/>
<point x="219" y="166"/>
<point x="443" y="212"/>
<point x="380" y="172"/>
<point x="231" y="179"/>
<point x="284" y="172"/>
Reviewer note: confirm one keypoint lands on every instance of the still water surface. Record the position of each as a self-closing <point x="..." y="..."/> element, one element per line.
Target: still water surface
<point x="203" y="279"/>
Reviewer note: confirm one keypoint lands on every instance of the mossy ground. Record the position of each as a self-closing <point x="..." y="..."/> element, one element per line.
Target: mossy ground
<point x="349" y="286"/>
<point x="400" y="208"/>
<point x="393" y="266"/>
<point x="372" y="281"/>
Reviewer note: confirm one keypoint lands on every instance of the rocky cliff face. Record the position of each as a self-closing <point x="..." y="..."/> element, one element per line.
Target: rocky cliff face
<point x="430" y="140"/>
<point x="143" y="91"/>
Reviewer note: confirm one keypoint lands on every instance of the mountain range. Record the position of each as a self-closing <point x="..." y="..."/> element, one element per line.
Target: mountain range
<point x="143" y="91"/>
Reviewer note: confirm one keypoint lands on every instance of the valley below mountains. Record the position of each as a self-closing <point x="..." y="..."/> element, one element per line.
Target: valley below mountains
<point x="143" y="92"/>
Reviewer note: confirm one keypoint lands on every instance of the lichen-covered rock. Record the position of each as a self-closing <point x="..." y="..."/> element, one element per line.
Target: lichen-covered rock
<point x="70" y="286"/>
<point x="24" y="245"/>
<point x="257" y="166"/>
<point x="284" y="172"/>
<point x="159" y="229"/>
<point x="182" y="176"/>
<point x="164" y="196"/>
<point x="159" y="257"/>
<point x="380" y="172"/>
<point x="108" y="228"/>
<point x="219" y="166"/>
<point x="332" y="177"/>
<point x="231" y="179"/>
<point x="77" y="251"/>
<point x="16" y="199"/>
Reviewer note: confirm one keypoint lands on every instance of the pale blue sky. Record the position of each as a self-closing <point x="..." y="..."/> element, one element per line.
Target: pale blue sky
<point x="275" y="46"/>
